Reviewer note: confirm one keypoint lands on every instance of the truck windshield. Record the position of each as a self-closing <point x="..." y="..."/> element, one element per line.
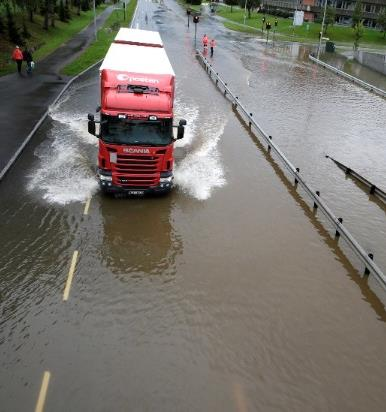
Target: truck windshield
<point x="136" y="132"/>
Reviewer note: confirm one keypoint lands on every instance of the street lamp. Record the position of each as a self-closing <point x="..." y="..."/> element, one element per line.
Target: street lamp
<point x="95" y="30"/>
<point x="321" y="33"/>
<point x="245" y="11"/>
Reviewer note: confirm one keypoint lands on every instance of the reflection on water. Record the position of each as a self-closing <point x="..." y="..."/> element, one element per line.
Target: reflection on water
<point x="350" y="66"/>
<point x="138" y="236"/>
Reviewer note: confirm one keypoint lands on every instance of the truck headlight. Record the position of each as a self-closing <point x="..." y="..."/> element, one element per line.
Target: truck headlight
<point x="166" y="179"/>
<point x="105" y="178"/>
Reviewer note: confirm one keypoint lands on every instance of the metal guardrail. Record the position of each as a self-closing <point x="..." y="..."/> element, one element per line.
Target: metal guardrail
<point x="374" y="190"/>
<point x="341" y="73"/>
<point x="337" y="223"/>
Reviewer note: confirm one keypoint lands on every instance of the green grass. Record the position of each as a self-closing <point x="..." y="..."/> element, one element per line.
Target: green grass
<point x="337" y="34"/>
<point x="45" y="42"/>
<point x="97" y="50"/>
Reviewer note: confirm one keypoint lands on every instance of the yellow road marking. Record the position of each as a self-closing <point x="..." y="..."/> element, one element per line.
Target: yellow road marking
<point x="43" y="392"/>
<point x="70" y="275"/>
<point x="241" y="404"/>
<point x="87" y="206"/>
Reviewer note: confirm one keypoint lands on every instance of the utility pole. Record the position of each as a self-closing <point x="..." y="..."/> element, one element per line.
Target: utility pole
<point x="245" y="11"/>
<point x="321" y="33"/>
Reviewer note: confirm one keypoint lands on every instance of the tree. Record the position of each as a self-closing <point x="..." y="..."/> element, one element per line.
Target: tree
<point x="251" y="4"/>
<point x="357" y="14"/>
<point x="381" y="21"/>
<point x="231" y="3"/>
<point x="62" y="11"/>
<point x="358" y="34"/>
<point x="330" y="17"/>
<point x="13" y="31"/>
<point x="2" y="25"/>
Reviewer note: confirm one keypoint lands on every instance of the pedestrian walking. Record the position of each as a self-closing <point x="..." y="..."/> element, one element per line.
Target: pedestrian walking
<point x="212" y="46"/>
<point x="17" y="56"/>
<point x="27" y="57"/>
<point x="205" y="41"/>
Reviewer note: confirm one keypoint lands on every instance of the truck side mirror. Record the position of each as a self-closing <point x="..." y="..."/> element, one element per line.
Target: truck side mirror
<point x="180" y="132"/>
<point x="98" y="109"/>
<point x="91" y="127"/>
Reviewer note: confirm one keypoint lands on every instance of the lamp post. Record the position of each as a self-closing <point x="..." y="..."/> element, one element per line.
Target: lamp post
<point x="245" y="11"/>
<point x="95" y="30"/>
<point x="321" y="33"/>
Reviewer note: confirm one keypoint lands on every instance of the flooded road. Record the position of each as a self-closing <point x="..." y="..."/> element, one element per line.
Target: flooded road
<point x="227" y="295"/>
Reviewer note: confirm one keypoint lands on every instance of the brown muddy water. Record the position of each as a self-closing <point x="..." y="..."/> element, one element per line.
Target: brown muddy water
<point x="227" y="295"/>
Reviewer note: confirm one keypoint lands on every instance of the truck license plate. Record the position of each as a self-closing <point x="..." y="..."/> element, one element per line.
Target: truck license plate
<point x="136" y="192"/>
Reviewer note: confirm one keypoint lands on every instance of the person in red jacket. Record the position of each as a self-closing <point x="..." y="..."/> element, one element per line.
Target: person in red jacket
<point x="17" y="56"/>
<point x="205" y="41"/>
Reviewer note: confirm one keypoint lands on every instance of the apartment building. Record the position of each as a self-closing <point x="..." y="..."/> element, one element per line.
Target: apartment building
<point x="344" y="9"/>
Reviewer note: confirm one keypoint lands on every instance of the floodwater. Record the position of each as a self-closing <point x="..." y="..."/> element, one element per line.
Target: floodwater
<point x="227" y="295"/>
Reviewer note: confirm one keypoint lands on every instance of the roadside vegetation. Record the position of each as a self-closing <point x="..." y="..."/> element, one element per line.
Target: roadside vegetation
<point x="41" y="25"/>
<point x="191" y="4"/>
<point x="97" y="50"/>
<point x="308" y="32"/>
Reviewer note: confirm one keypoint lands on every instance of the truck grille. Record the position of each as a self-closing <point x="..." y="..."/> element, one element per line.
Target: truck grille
<point x="139" y="171"/>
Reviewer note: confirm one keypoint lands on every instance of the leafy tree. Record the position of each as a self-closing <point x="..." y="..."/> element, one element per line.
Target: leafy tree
<point x="358" y="34"/>
<point x="13" y="31"/>
<point x="2" y="25"/>
<point x="231" y="3"/>
<point x="85" y="5"/>
<point x="357" y="14"/>
<point x="31" y="6"/>
<point x="330" y="17"/>
<point x="67" y="11"/>
<point x="45" y="10"/>
<point x="251" y="4"/>
<point x="62" y="11"/>
<point x="381" y="21"/>
<point x="25" y="33"/>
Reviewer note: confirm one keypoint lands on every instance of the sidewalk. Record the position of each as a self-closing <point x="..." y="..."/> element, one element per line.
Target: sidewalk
<point x="25" y="99"/>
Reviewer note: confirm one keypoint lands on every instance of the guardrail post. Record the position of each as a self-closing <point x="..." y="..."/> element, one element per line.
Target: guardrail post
<point x="296" y="180"/>
<point x="225" y="90"/>
<point x="372" y="189"/>
<point x="317" y="194"/>
<point x="250" y="123"/>
<point x="371" y="256"/>
<point x="269" y="146"/>
<point x="337" y="234"/>
<point x="235" y="103"/>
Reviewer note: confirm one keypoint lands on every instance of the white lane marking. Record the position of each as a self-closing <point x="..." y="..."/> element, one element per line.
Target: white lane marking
<point x="43" y="392"/>
<point x="87" y="206"/>
<point x="66" y="292"/>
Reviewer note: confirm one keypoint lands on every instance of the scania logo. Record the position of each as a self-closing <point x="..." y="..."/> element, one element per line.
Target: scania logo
<point x="123" y="77"/>
<point x="134" y="150"/>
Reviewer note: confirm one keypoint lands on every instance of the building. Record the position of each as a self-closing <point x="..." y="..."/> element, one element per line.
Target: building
<point x="313" y="9"/>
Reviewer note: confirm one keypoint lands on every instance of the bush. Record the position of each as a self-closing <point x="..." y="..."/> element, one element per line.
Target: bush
<point x="195" y="2"/>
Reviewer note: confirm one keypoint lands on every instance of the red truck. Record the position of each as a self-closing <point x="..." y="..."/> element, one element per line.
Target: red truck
<point x="136" y="116"/>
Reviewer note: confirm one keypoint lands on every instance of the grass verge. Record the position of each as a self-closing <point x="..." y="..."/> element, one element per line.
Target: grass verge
<point x="45" y="42"/>
<point x="308" y="32"/>
<point x="97" y="50"/>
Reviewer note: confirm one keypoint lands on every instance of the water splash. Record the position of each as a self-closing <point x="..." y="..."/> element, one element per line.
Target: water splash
<point x="65" y="171"/>
<point x="201" y="171"/>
